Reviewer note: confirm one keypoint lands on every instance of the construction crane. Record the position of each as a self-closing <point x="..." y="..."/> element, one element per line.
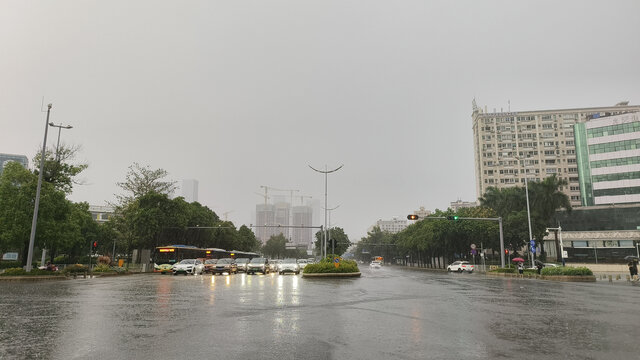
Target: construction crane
<point x="226" y="213"/>
<point x="267" y="188"/>
<point x="302" y="198"/>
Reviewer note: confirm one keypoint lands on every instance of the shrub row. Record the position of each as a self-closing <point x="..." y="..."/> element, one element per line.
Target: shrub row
<point x="566" y="271"/>
<point x="327" y="266"/>
<point x="20" y="271"/>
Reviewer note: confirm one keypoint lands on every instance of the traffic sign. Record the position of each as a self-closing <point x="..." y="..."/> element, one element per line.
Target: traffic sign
<point x="336" y="262"/>
<point x="533" y="245"/>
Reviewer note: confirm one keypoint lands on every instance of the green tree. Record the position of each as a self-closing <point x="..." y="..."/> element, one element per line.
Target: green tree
<point x="140" y="181"/>
<point x="59" y="170"/>
<point x="247" y="239"/>
<point x="275" y="247"/>
<point x="336" y="234"/>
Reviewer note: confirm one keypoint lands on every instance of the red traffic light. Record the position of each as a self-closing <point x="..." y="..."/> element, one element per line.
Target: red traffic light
<point x="506" y="251"/>
<point x="95" y="244"/>
<point x="413" y="217"/>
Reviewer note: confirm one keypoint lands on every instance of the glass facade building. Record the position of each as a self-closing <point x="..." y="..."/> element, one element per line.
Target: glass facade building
<point x="6" y="158"/>
<point x="608" y="157"/>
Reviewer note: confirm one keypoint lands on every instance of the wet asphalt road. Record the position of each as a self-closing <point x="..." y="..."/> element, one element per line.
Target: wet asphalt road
<point x="388" y="313"/>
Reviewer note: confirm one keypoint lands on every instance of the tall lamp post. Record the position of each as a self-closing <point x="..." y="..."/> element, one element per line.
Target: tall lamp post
<point x="526" y="189"/>
<point x="60" y="127"/>
<point x="325" y="172"/>
<point x="32" y="237"/>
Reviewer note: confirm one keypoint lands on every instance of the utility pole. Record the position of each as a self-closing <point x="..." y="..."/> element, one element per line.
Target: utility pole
<point x="32" y="237"/>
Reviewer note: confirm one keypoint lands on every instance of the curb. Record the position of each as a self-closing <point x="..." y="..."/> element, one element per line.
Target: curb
<point x="565" y="278"/>
<point x="32" y="278"/>
<point x="332" y="275"/>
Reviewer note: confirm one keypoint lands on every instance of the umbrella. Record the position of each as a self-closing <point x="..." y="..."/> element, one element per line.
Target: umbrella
<point x="518" y="259"/>
<point x="630" y="257"/>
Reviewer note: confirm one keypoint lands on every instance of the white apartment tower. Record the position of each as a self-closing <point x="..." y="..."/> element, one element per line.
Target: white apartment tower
<point x="540" y="142"/>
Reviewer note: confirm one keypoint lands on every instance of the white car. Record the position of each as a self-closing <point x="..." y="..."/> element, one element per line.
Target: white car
<point x="460" y="266"/>
<point x="375" y="265"/>
<point x="302" y="263"/>
<point x="288" y="265"/>
<point x="189" y="266"/>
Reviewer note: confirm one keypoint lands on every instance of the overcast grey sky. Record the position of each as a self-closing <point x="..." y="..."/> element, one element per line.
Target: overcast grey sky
<point x="238" y="94"/>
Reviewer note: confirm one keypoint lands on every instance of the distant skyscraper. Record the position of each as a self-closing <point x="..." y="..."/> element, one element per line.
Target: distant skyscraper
<point x="7" y="158"/>
<point x="190" y="190"/>
<point x="265" y="216"/>
<point x="393" y="226"/>
<point x="302" y="216"/>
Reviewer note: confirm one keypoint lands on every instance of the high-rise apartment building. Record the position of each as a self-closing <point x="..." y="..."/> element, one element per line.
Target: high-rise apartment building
<point x="394" y="225"/>
<point x="608" y="154"/>
<point x="540" y="143"/>
<point x="265" y="218"/>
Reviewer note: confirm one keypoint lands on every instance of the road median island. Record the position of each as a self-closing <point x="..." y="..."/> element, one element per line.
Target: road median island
<point x="33" y="277"/>
<point x="332" y="267"/>
<point x="331" y="275"/>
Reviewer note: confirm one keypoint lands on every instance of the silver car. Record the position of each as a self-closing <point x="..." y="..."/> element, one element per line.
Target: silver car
<point x="242" y="264"/>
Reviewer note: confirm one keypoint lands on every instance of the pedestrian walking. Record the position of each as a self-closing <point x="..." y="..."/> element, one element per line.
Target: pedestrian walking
<point x="633" y="269"/>
<point x="520" y="268"/>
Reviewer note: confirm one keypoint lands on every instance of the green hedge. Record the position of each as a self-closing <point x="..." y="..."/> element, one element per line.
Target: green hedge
<point x="566" y="271"/>
<point x="326" y="266"/>
<point x="34" y="272"/>
<point x="10" y="264"/>
<point x="75" y="269"/>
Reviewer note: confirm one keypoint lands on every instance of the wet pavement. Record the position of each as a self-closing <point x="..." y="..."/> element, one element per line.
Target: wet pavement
<point x="391" y="313"/>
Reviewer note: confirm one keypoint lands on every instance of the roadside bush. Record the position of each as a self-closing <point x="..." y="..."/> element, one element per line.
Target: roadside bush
<point x="101" y="268"/>
<point x="509" y="270"/>
<point x="75" y="269"/>
<point x="14" y="271"/>
<point x="326" y="266"/>
<point x="566" y="271"/>
<point x="10" y="264"/>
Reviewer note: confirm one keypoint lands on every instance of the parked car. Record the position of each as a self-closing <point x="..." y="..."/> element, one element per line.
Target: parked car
<point x="188" y="266"/>
<point x="551" y="265"/>
<point x="258" y="265"/>
<point x="242" y="264"/>
<point x="288" y="265"/>
<point x="460" y="266"/>
<point x="226" y="265"/>
<point x="210" y="265"/>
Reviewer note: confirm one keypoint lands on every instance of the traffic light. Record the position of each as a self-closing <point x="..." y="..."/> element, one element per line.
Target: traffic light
<point x="454" y="217"/>
<point x="95" y="244"/>
<point x="506" y="251"/>
<point x="412" y="217"/>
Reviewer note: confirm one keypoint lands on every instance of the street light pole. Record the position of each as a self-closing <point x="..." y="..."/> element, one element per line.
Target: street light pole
<point x="526" y="189"/>
<point x="333" y="251"/>
<point x="326" y="173"/>
<point x="32" y="237"/>
<point x="60" y="127"/>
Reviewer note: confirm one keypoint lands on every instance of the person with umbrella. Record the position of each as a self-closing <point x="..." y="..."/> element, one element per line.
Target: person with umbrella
<point x="520" y="262"/>
<point x="633" y="267"/>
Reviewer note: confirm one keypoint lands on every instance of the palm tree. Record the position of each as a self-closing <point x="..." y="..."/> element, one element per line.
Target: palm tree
<point x="547" y="197"/>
